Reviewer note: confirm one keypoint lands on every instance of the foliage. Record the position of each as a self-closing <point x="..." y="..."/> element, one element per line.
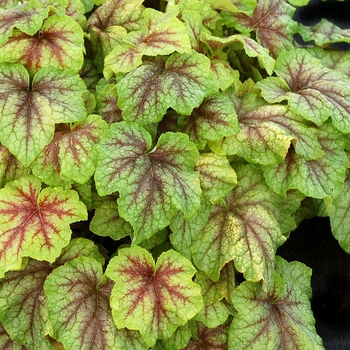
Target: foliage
<point x="154" y="154"/>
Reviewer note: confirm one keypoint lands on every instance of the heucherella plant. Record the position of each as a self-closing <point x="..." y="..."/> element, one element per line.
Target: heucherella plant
<point x="153" y="157"/>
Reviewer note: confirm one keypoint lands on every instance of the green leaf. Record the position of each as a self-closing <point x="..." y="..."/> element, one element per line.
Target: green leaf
<point x="213" y="292"/>
<point x="210" y="338"/>
<point x="106" y="220"/>
<point x="324" y="33"/>
<point x="153" y="184"/>
<point x="72" y="154"/>
<point x="339" y="215"/>
<point x="27" y="17"/>
<point x="23" y="305"/>
<point x="313" y="91"/>
<point x="225" y="5"/>
<point x="185" y="231"/>
<point x="266" y="133"/>
<point x="10" y="168"/>
<point x="31" y="107"/>
<point x="109" y="23"/>
<point x="212" y="120"/>
<point x="180" y="82"/>
<point x="160" y="34"/>
<point x="280" y="318"/>
<point x="107" y="102"/>
<point x="214" y="314"/>
<point x="250" y="47"/>
<point x="242" y="228"/>
<point x="271" y="21"/>
<point x="59" y="43"/>
<point x="154" y="298"/>
<point x="78" y="304"/>
<point x="7" y="343"/>
<point x="177" y="341"/>
<point x="333" y="59"/>
<point x="23" y="308"/>
<point x="318" y="178"/>
<point x="35" y="222"/>
<point x="216" y="176"/>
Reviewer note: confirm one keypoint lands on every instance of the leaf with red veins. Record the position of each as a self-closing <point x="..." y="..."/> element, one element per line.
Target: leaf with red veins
<point x="23" y="304"/>
<point x="277" y="318"/>
<point x="146" y="93"/>
<point x="59" y="43"/>
<point x="109" y="23"/>
<point x="72" y="154"/>
<point x="208" y="338"/>
<point x="160" y="34"/>
<point x="311" y="89"/>
<point x="6" y="343"/>
<point x="319" y="178"/>
<point x="272" y="22"/>
<point x="23" y="309"/>
<point x="244" y="228"/>
<point x="27" y="17"/>
<point x="214" y="119"/>
<point x="78" y="305"/>
<point x="154" y="298"/>
<point x="107" y="103"/>
<point x="35" y="222"/>
<point x="10" y="168"/>
<point x="153" y="184"/>
<point x="8" y="4"/>
<point x="30" y="108"/>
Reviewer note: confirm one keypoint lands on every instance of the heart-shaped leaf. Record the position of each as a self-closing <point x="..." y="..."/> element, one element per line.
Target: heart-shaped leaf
<point x="78" y="304"/>
<point x="272" y="23"/>
<point x="23" y="309"/>
<point x="35" y="222"/>
<point x="280" y="318"/>
<point x="313" y="91"/>
<point x="160" y="34"/>
<point x="317" y="178"/>
<point x="154" y="298"/>
<point x="243" y="228"/>
<point x="146" y="93"/>
<point x="153" y="184"/>
<point x="59" y="43"/>
<point x="72" y="154"/>
<point x="31" y="107"/>
<point x="27" y="17"/>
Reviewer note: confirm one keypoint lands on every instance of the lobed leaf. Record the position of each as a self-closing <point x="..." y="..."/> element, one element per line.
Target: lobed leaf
<point x="153" y="184"/>
<point x="209" y="338"/>
<point x="23" y="309"/>
<point x="312" y="90"/>
<point x="324" y="33"/>
<point x="72" y="154"/>
<point x="317" y="178"/>
<point x="27" y="17"/>
<point x="59" y="43"/>
<point x="78" y="303"/>
<point x="266" y="133"/>
<point x="216" y="176"/>
<point x="243" y="228"/>
<point x="34" y="222"/>
<point x="154" y="298"/>
<point x="279" y="318"/>
<point x="146" y="93"/>
<point x="159" y="34"/>
<point x="271" y="21"/>
<point x="23" y="305"/>
<point x="31" y="107"/>
<point x="214" y="119"/>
